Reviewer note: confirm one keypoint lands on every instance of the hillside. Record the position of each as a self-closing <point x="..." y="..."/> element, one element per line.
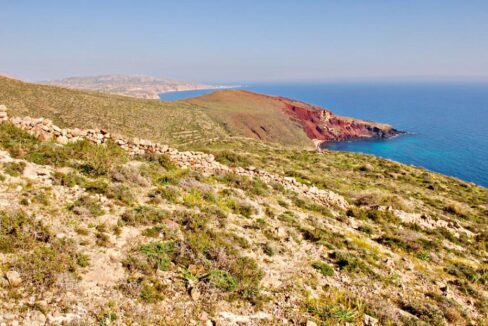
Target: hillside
<point x="100" y="229"/>
<point x="168" y="122"/>
<point x="282" y="120"/>
<point x="193" y="122"/>
<point x="146" y="87"/>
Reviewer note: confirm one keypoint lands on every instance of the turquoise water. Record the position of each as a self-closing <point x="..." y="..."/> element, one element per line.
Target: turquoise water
<point x="447" y="122"/>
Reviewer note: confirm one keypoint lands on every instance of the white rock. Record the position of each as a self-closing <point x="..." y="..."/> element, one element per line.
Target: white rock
<point x="13" y="278"/>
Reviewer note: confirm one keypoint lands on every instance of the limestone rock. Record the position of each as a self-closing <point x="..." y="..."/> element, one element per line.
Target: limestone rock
<point x="13" y="278"/>
<point x="370" y="321"/>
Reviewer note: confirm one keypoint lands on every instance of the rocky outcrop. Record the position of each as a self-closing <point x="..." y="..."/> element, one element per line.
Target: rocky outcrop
<point x="322" y="125"/>
<point x="44" y="129"/>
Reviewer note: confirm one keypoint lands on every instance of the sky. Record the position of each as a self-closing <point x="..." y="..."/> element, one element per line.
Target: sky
<point x="251" y="40"/>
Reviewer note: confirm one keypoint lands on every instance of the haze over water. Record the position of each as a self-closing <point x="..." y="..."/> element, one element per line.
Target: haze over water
<point x="448" y="122"/>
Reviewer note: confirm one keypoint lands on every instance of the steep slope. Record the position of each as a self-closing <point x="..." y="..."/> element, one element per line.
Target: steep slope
<point x="146" y="87"/>
<point x="172" y="123"/>
<point x="279" y="119"/>
<point x="92" y="235"/>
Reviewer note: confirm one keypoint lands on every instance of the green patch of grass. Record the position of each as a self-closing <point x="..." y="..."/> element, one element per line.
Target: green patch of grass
<point x="324" y="268"/>
<point x="39" y="256"/>
<point x="407" y="242"/>
<point x="473" y="275"/>
<point x="14" y="169"/>
<point x="93" y="160"/>
<point x="288" y="217"/>
<point x="268" y="250"/>
<point x="121" y="193"/>
<point x="168" y="193"/>
<point x="161" y="160"/>
<point x="19" y="231"/>
<point x="311" y="206"/>
<point x="87" y="205"/>
<point x="348" y="262"/>
<point x="158" y="253"/>
<point x="375" y="215"/>
<point x="240" y="207"/>
<point x="336" y="308"/>
<point x="152" y="291"/>
<point x="231" y="158"/>
<point x="144" y="215"/>
<point x="194" y="198"/>
<point x="41" y="197"/>
<point x="222" y="280"/>
<point x="42" y="265"/>
<point x="253" y="186"/>
<point x="82" y="260"/>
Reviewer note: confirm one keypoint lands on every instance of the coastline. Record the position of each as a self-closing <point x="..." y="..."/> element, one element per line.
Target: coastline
<point x="203" y="88"/>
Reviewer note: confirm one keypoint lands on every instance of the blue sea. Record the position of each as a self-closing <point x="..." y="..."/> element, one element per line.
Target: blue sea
<point x="447" y="122"/>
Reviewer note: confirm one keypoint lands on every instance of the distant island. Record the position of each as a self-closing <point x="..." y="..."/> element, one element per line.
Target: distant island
<point x="147" y="87"/>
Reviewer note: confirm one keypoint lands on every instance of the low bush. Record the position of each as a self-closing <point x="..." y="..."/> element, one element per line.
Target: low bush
<point x="14" y="169"/>
<point x="144" y="215"/>
<point x="324" y="268"/>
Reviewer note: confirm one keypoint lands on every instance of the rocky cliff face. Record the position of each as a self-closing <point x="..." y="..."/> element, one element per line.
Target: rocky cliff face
<point x="322" y="125"/>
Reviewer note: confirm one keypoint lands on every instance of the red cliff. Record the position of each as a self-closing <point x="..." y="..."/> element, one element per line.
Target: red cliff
<point x="321" y="124"/>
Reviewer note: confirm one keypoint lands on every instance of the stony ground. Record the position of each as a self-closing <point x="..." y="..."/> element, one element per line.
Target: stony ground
<point x="91" y="235"/>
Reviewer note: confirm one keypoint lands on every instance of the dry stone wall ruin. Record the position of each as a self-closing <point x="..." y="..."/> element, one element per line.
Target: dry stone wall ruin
<point x="44" y="129"/>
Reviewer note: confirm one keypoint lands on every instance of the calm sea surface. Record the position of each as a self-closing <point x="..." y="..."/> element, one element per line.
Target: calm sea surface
<point x="447" y="122"/>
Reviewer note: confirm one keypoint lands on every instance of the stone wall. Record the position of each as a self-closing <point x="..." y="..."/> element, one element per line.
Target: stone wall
<point x="44" y="129"/>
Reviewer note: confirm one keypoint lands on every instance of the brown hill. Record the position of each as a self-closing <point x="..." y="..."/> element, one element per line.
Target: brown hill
<point x="283" y="120"/>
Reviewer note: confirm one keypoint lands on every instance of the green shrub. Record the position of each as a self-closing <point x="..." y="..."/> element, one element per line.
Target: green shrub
<point x="14" y="169"/>
<point x="82" y="260"/>
<point x="19" y="231"/>
<point x="252" y="186"/>
<point x="240" y="207"/>
<point x="96" y="160"/>
<point x="268" y="250"/>
<point x="248" y="275"/>
<point x="232" y="159"/>
<point x="121" y="193"/>
<point x="169" y="193"/>
<point x="323" y="268"/>
<point x="158" y="254"/>
<point x="70" y="179"/>
<point x="222" y="280"/>
<point x="350" y="263"/>
<point x="152" y="291"/>
<point x="144" y="215"/>
<point x="288" y="217"/>
<point x="336" y="308"/>
<point x="43" y="264"/>
<point x="469" y="273"/>
<point x="162" y="160"/>
<point x="88" y="204"/>
<point x="373" y="214"/>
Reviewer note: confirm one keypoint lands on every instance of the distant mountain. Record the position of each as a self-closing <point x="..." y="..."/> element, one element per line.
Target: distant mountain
<point x="9" y="75"/>
<point x="136" y="86"/>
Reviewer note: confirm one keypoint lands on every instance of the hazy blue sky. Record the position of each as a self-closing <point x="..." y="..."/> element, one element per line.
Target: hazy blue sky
<point x="251" y="40"/>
